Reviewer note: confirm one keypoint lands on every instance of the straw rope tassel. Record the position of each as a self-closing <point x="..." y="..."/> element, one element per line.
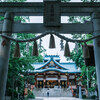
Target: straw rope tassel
<point x="17" y="50"/>
<point x="52" y="42"/>
<point x="35" y="49"/>
<point x="86" y="51"/>
<point x="67" y="50"/>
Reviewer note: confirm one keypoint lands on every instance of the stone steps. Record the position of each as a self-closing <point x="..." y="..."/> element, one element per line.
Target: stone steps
<point x="53" y="92"/>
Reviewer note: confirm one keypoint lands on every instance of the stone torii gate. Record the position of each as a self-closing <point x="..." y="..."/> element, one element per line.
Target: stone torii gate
<point x="52" y="10"/>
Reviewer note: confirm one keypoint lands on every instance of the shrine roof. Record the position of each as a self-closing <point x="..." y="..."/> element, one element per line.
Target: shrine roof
<point x="66" y="67"/>
<point x="58" y="70"/>
<point x="48" y="57"/>
<point x="38" y="65"/>
<point x="69" y="65"/>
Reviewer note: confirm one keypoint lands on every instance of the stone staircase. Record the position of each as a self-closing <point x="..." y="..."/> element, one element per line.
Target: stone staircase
<point x="53" y="92"/>
<point x="66" y="92"/>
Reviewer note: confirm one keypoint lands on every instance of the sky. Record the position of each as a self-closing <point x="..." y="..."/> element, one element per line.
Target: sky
<point x="45" y="40"/>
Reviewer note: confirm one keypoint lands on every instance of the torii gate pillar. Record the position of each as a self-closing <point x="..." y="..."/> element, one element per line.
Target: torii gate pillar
<point x="96" y="26"/>
<point x="5" y="52"/>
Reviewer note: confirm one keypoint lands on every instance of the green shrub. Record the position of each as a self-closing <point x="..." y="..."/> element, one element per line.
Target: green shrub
<point x="15" y="99"/>
<point x="30" y="95"/>
<point x="83" y="96"/>
<point x="93" y="97"/>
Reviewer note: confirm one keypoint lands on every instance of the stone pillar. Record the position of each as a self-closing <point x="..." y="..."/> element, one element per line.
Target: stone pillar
<point x="5" y="53"/>
<point x="96" y="42"/>
<point x="80" y="92"/>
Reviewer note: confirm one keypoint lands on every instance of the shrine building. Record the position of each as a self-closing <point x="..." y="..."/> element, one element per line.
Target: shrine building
<point x="52" y="73"/>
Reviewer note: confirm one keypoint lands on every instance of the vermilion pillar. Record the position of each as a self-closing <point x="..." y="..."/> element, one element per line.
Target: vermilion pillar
<point x="36" y="81"/>
<point x="59" y="80"/>
<point x="67" y="81"/>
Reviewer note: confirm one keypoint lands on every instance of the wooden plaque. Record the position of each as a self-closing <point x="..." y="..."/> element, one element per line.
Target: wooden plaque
<point x="52" y="13"/>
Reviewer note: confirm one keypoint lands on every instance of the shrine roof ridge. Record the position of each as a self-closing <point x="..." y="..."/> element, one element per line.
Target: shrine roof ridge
<point x="51" y="55"/>
<point x="38" y="66"/>
<point x="54" y="69"/>
<point x="46" y="63"/>
<point x="59" y="64"/>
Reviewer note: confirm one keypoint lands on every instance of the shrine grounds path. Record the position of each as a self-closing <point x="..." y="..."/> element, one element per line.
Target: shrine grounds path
<point x="59" y="98"/>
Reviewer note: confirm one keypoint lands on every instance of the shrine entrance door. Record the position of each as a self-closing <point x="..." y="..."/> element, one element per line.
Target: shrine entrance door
<point x="51" y="83"/>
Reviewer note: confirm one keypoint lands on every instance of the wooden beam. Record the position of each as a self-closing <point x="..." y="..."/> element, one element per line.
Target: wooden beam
<point x="37" y="9"/>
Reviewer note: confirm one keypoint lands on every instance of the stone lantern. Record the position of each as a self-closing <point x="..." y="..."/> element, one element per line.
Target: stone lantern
<point x="80" y="89"/>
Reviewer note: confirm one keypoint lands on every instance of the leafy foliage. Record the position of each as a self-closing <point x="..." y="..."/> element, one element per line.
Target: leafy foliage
<point x="90" y="0"/>
<point x="30" y="95"/>
<point x="16" y="76"/>
<point x="19" y="67"/>
<point x="90" y="75"/>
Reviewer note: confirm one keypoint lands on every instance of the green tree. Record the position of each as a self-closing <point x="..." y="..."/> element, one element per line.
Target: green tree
<point x="19" y="66"/>
<point x="89" y="76"/>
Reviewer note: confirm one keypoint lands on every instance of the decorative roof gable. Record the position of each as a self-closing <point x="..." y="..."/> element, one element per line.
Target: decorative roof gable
<point x="53" y="65"/>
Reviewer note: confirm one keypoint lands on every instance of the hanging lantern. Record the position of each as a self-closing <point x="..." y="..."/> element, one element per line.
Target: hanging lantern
<point x="17" y="50"/>
<point x="85" y="51"/>
<point x="67" y="50"/>
<point x="52" y="42"/>
<point x="35" y="49"/>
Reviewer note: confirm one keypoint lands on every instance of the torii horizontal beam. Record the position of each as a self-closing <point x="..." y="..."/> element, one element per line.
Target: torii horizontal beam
<point x="78" y="28"/>
<point x="37" y="9"/>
